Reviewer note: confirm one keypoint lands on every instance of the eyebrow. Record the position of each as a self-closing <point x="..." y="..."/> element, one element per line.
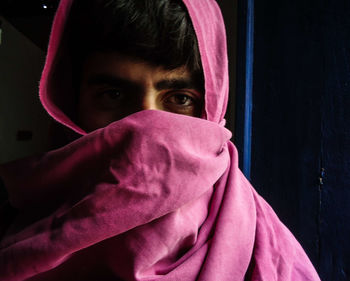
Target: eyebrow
<point x="98" y="79"/>
<point x="173" y="83"/>
<point x="176" y="84"/>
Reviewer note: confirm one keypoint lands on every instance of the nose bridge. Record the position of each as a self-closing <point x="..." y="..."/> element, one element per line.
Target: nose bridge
<point x="149" y="99"/>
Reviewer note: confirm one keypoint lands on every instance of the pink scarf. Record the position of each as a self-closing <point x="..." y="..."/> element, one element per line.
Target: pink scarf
<point x="154" y="196"/>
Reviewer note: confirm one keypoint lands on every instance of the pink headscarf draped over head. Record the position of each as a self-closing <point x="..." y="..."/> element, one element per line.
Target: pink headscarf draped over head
<point x="154" y="196"/>
<point x="56" y="89"/>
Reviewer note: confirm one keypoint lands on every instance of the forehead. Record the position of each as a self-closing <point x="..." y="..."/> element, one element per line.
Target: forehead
<point x="127" y="67"/>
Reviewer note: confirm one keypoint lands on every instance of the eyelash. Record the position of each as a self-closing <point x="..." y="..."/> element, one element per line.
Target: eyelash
<point x="111" y="91"/>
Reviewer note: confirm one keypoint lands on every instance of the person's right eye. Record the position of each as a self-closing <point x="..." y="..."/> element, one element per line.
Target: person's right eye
<point x="110" y="99"/>
<point x="111" y="95"/>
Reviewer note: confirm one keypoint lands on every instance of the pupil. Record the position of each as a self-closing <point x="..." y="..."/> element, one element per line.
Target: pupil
<point x="114" y="95"/>
<point x="182" y="99"/>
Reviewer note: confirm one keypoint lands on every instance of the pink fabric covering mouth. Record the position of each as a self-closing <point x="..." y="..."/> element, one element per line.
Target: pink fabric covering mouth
<point x="155" y="196"/>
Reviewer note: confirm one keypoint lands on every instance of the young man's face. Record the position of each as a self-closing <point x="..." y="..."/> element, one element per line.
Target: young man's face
<point x="114" y="86"/>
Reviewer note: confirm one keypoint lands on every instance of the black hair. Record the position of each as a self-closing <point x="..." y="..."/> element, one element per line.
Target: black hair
<point x="157" y="31"/>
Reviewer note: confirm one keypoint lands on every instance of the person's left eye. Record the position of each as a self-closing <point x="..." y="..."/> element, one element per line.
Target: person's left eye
<point x="180" y="99"/>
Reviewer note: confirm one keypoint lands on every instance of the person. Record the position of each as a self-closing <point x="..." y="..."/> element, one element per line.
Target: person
<point x="150" y="190"/>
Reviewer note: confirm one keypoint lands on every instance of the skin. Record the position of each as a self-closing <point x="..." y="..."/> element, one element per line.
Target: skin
<point x="114" y="86"/>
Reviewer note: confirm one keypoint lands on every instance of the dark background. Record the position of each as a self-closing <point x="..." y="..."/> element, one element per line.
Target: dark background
<point x="301" y="115"/>
<point x="31" y="17"/>
<point x="300" y="136"/>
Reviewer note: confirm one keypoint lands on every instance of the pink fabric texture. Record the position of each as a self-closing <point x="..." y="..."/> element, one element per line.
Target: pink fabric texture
<point x="154" y="196"/>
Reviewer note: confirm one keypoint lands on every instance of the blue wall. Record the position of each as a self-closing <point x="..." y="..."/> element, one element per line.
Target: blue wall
<point x="300" y="159"/>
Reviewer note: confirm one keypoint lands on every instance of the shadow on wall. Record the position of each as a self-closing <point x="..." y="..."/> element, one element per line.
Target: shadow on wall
<point x="24" y="124"/>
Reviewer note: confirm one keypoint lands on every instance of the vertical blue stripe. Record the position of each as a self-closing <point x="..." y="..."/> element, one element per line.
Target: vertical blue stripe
<point x="248" y="89"/>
